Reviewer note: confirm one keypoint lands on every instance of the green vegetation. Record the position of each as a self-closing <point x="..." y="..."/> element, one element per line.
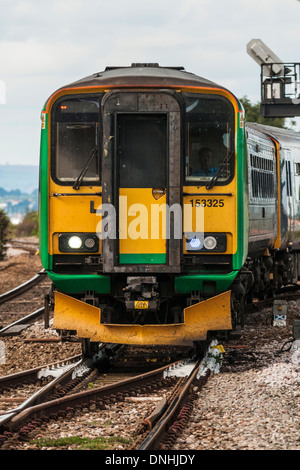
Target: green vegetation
<point x="4" y="224"/>
<point x="96" y="424"/>
<point x="29" y="226"/>
<point x="82" y="443"/>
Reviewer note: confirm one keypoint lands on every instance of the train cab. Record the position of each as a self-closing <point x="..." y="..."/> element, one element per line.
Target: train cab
<point x="143" y="205"/>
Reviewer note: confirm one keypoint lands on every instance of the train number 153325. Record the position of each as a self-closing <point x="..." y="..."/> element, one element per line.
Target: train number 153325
<point x="207" y="202"/>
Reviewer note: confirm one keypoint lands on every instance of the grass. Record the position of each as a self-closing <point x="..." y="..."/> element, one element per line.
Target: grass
<point x="82" y="443"/>
<point x="96" y="424"/>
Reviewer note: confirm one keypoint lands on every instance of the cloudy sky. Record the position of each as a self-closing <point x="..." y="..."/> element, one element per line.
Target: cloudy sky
<point x="49" y="43"/>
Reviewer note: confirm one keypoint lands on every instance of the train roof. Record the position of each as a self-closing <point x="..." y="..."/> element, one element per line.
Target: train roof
<point x="144" y="74"/>
<point x="283" y="136"/>
<point x="256" y="130"/>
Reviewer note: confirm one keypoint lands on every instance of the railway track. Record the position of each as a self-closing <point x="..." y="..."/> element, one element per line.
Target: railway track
<point x="166" y="402"/>
<point x="30" y="245"/>
<point x="18" y="310"/>
<point x="172" y="415"/>
<point x="168" y="387"/>
<point x="290" y="292"/>
<point x="160" y="404"/>
<point x="24" y="287"/>
<point x="54" y="379"/>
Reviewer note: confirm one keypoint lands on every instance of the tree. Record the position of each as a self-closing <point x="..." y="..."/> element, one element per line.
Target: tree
<point x="4" y="222"/>
<point x="252" y="112"/>
<point x="29" y="225"/>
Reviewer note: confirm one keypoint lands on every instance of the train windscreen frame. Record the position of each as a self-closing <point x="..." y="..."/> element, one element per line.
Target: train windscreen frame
<point x="75" y="140"/>
<point x="209" y="140"/>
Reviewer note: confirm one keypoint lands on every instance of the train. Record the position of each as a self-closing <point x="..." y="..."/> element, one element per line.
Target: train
<point x="162" y="213"/>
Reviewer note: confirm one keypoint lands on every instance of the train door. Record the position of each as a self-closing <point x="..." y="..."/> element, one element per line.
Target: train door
<point x="141" y="180"/>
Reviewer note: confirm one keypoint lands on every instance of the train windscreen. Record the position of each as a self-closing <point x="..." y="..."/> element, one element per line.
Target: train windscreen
<point x="75" y="141"/>
<point x="209" y="137"/>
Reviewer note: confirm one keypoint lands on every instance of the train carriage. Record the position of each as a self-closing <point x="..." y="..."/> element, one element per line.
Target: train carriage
<point x="143" y="246"/>
<point x="287" y="145"/>
<point x="279" y="264"/>
<point x="160" y="213"/>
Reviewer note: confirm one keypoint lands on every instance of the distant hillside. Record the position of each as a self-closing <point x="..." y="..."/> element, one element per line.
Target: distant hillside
<point x="22" y="177"/>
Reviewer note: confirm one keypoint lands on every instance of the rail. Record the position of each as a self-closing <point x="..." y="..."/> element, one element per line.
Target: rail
<point x="24" y="320"/>
<point x="44" y="393"/>
<point x="65" y="403"/>
<point x="22" y="287"/>
<point x="160" y="428"/>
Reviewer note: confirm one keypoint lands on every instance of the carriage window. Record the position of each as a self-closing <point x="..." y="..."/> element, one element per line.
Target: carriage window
<point x="262" y="170"/>
<point x="297" y="168"/>
<point x="75" y="141"/>
<point x="288" y="178"/>
<point x="209" y="136"/>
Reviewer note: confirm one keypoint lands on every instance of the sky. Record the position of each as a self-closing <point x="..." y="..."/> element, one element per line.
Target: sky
<point x="46" y="44"/>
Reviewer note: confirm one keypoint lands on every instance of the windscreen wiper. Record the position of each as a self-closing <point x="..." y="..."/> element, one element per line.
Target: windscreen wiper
<point x="78" y="181"/>
<point x="216" y="176"/>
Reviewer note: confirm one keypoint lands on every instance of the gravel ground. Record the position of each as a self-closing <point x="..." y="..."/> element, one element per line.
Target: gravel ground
<point x="18" y="268"/>
<point x="252" y="404"/>
<point x="17" y="354"/>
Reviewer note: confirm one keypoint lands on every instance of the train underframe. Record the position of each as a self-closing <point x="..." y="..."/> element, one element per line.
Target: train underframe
<point x="271" y="271"/>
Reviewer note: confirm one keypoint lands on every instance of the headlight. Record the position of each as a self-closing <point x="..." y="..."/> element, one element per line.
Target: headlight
<point x="89" y="243"/>
<point x="194" y="241"/>
<point x="210" y="243"/>
<point x="206" y="242"/>
<point x="78" y="243"/>
<point x="75" y="242"/>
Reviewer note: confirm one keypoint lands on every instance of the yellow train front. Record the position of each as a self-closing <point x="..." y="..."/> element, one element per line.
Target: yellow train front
<point x="143" y="206"/>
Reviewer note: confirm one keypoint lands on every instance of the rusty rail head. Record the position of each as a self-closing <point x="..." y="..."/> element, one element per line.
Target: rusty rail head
<point x="158" y="430"/>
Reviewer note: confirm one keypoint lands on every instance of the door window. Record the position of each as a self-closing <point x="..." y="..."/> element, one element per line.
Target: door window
<point x="142" y="150"/>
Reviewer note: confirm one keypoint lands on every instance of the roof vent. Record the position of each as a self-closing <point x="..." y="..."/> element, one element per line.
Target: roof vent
<point x="138" y="64"/>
